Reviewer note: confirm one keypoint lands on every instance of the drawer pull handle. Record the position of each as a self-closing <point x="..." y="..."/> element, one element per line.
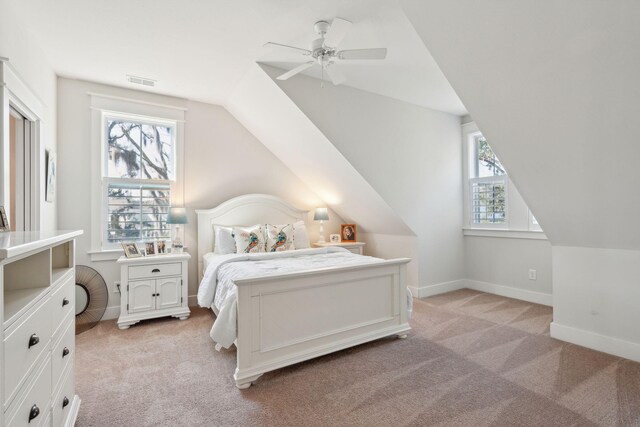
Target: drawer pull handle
<point x="65" y="401"/>
<point x="65" y="352"/>
<point x="35" y="411"/>
<point x="65" y="302"/>
<point x="33" y="340"/>
<point x="155" y="270"/>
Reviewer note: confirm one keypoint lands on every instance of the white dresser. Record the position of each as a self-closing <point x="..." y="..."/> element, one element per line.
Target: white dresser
<point x="153" y="286"/>
<point x="37" y="307"/>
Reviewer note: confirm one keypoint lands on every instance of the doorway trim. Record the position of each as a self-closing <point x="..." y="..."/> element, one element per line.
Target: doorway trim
<point x="16" y="94"/>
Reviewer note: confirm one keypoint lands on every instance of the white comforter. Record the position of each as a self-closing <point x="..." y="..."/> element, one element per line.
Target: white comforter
<point x="218" y="288"/>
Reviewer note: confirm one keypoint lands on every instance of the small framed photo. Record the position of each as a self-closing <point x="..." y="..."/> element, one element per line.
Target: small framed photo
<point x="4" y="222"/>
<point x="334" y="238"/>
<point x="131" y="250"/>
<point x="348" y="232"/>
<point x="150" y="248"/>
<point x="161" y="247"/>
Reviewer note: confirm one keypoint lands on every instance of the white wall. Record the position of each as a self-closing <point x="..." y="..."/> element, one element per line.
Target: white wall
<point x="222" y="160"/>
<point x="26" y="57"/>
<point x="410" y="155"/>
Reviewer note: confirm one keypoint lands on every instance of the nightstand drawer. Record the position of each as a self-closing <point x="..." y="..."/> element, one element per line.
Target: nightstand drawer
<point x="155" y="270"/>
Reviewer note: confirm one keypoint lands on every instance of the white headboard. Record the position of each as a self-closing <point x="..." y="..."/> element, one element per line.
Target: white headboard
<point x="244" y="210"/>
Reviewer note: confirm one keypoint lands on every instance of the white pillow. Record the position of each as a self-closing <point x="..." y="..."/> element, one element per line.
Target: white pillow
<point x="249" y="239"/>
<point x="224" y="241"/>
<point x="279" y="238"/>
<point x="300" y="236"/>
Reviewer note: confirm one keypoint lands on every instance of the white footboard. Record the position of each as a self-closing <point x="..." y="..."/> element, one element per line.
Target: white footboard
<point x="287" y="318"/>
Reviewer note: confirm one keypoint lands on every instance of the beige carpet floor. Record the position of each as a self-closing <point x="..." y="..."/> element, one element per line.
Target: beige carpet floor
<point x="472" y="359"/>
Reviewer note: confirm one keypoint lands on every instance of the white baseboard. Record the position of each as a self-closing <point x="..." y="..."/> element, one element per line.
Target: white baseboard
<point x="439" y="288"/>
<point x="112" y="312"/>
<point x="509" y="292"/>
<point x="193" y="301"/>
<point x="616" y="346"/>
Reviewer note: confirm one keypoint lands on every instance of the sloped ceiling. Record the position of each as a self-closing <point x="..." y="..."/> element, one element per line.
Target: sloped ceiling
<point x="554" y="86"/>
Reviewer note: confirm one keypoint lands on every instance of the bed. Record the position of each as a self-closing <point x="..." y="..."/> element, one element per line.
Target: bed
<point x="299" y="311"/>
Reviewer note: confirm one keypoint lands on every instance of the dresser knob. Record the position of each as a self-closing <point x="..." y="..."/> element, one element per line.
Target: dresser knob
<point x="33" y="340"/>
<point x="65" y="302"/>
<point x="65" y="401"/>
<point x="155" y="270"/>
<point x="35" y="411"/>
<point x="65" y="352"/>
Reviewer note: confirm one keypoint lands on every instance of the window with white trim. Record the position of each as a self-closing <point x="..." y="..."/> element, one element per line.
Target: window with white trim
<point x="491" y="200"/>
<point x="138" y="172"/>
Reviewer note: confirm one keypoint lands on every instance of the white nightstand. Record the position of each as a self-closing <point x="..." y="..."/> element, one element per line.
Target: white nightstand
<point x="355" y="247"/>
<point x="153" y="286"/>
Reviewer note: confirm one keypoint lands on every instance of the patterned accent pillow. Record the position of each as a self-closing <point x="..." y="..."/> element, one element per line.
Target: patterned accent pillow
<point x="279" y="238"/>
<point x="249" y="239"/>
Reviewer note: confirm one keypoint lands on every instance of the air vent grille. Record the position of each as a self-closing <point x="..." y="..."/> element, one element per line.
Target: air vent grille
<point x="141" y="81"/>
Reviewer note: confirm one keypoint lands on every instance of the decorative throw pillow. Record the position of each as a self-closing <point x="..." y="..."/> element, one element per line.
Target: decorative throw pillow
<point x="300" y="236"/>
<point x="224" y="241"/>
<point x="249" y="239"/>
<point x="280" y="238"/>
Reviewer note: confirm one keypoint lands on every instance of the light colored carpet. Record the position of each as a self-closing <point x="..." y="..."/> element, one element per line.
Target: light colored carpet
<point x="472" y="359"/>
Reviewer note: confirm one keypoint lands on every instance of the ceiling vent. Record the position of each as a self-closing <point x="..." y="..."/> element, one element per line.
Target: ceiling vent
<point x="141" y="81"/>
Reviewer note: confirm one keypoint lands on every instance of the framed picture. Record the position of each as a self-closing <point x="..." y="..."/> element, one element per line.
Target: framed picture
<point x="50" y="190"/>
<point x="131" y="250"/>
<point x="161" y="247"/>
<point x="4" y="222"/>
<point x="334" y="238"/>
<point x="149" y="248"/>
<point x="348" y="232"/>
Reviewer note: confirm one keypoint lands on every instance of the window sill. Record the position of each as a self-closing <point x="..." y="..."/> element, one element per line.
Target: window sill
<point x="501" y="233"/>
<point x="109" y="254"/>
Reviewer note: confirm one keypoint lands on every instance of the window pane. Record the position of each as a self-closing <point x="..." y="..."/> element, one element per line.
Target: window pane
<point x="137" y="212"/>
<point x="487" y="162"/>
<point x="157" y="152"/>
<point x="138" y="150"/>
<point x="488" y="202"/>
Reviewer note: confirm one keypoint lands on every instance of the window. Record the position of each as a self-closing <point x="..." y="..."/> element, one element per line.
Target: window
<point x="492" y="204"/>
<point x="138" y="170"/>
<point x="488" y="185"/>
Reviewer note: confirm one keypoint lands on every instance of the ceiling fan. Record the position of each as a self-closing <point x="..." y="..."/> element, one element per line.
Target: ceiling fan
<point x="324" y="51"/>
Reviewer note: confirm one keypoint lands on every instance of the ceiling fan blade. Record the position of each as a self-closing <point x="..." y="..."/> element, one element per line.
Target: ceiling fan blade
<point x="339" y="28"/>
<point x="335" y="75"/>
<point x="377" y="53"/>
<point x="277" y="47"/>
<point x="298" y="69"/>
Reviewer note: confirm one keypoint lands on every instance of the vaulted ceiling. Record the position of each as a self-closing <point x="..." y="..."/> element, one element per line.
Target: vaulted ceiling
<point x="201" y="49"/>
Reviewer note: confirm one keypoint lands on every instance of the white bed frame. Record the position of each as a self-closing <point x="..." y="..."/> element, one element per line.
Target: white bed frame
<point x="288" y="318"/>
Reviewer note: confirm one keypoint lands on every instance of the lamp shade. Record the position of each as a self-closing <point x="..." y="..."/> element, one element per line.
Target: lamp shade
<point x="321" y="214"/>
<point x="177" y="216"/>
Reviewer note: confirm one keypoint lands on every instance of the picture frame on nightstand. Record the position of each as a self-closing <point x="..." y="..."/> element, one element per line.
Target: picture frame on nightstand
<point x="131" y="250"/>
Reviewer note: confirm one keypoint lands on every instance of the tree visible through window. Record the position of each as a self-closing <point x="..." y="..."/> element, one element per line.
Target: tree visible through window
<point x="139" y="170"/>
<point x="488" y="185"/>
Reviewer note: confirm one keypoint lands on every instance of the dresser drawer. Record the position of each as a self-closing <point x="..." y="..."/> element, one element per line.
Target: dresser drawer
<point x="63" y="400"/>
<point x="38" y="396"/>
<point x="155" y="270"/>
<point x="23" y="346"/>
<point x="63" y="352"/>
<point x="63" y="303"/>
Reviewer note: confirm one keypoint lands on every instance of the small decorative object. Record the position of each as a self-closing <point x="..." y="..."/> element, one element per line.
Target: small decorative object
<point x="50" y="194"/>
<point x="348" y="232"/>
<point x="177" y="216"/>
<point x="334" y="238"/>
<point x="131" y="250"/>
<point x="150" y="248"/>
<point x="321" y="214"/>
<point x="161" y="246"/>
<point x="4" y="222"/>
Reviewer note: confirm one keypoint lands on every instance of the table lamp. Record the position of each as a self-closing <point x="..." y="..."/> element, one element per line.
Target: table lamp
<point x="321" y="214"/>
<point x="177" y="216"/>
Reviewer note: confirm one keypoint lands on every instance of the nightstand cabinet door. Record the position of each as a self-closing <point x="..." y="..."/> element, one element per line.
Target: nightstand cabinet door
<point x="168" y="292"/>
<point x="141" y="295"/>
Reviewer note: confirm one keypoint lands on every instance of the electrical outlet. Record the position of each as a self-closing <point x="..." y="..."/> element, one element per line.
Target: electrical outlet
<point x="533" y="275"/>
